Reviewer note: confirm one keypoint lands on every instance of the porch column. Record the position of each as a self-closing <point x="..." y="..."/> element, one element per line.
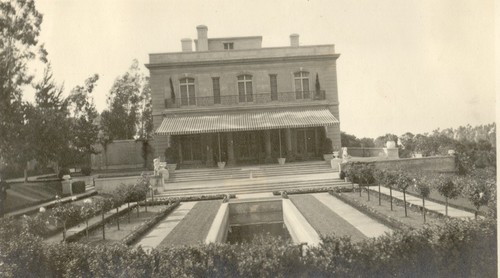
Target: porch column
<point x="288" y="142"/>
<point x="208" y="145"/>
<point x="267" y="142"/>
<point x="230" y="149"/>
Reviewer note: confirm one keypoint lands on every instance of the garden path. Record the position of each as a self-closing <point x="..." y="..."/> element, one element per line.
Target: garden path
<point x="360" y="221"/>
<point x="156" y="235"/>
<point x="429" y="205"/>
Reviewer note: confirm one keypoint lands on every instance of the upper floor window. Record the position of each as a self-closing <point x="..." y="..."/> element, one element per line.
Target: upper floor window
<point x="245" y="88"/>
<point x="187" y="91"/>
<point x="301" y="80"/>
<point x="216" y="89"/>
<point x="228" y="45"/>
<point x="274" y="86"/>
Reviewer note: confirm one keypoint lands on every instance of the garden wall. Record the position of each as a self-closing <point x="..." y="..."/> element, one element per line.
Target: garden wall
<point x="372" y="152"/>
<point x="439" y="164"/>
<point x="120" y="154"/>
<point x="108" y="185"/>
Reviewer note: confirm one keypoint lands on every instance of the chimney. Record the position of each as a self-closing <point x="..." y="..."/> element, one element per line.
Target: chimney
<point x="187" y="45"/>
<point x="202" y="38"/>
<point x="294" y="40"/>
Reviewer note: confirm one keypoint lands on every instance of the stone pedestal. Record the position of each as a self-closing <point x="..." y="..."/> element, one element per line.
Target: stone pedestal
<point x="391" y="152"/>
<point x="335" y="163"/>
<point x="66" y="185"/>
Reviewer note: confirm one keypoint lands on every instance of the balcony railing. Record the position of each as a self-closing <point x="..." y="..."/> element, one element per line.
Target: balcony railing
<point x="248" y="99"/>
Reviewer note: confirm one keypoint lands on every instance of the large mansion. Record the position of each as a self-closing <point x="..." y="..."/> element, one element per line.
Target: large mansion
<point x="232" y="100"/>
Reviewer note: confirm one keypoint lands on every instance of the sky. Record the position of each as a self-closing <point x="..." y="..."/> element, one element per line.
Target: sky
<point x="411" y="65"/>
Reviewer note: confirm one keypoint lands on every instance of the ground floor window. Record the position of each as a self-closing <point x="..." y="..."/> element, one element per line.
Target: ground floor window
<point x="190" y="146"/>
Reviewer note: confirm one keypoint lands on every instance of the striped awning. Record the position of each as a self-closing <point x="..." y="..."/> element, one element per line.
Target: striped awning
<point x="291" y="118"/>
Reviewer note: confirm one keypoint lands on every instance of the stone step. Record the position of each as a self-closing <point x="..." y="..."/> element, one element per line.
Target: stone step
<point x="254" y="188"/>
<point x="235" y="173"/>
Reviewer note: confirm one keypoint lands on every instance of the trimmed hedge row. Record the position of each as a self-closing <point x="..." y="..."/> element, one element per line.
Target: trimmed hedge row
<point x="456" y="249"/>
<point x="147" y="225"/>
<point x="313" y="190"/>
<point x="376" y="215"/>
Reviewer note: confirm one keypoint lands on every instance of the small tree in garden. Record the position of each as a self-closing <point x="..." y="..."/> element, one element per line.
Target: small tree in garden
<point x="117" y="200"/>
<point x="138" y="192"/>
<point x="365" y="176"/>
<point x="448" y="188"/>
<point x="65" y="214"/>
<point x="477" y="192"/>
<point x="87" y="210"/>
<point x="423" y="188"/>
<point x="104" y="204"/>
<point x="379" y="176"/>
<point x="391" y="180"/>
<point x="403" y="182"/>
<point x="353" y="174"/>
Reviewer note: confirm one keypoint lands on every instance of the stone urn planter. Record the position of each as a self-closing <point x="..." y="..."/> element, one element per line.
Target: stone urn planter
<point x="221" y="164"/>
<point x="281" y="160"/>
<point x="328" y="157"/>
<point x="171" y="167"/>
<point x="335" y="154"/>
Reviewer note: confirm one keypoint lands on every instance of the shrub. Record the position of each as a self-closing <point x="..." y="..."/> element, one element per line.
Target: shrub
<point x="86" y="171"/>
<point x="78" y="187"/>
<point x="342" y="175"/>
<point x="63" y="172"/>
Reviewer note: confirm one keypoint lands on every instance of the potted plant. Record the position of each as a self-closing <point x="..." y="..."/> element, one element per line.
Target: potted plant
<point x="221" y="164"/>
<point x="171" y="157"/>
<point x="327" y="149"/>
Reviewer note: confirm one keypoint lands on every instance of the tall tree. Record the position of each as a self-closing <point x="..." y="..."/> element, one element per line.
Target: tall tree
<point x="84" y="128"/>
<point x="121" y="118"/>
<point x="49" y="124"/>
<point x="20" y="27"/>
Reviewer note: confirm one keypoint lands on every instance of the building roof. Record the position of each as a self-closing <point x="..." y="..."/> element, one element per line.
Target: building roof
<point x="245" y="121"/>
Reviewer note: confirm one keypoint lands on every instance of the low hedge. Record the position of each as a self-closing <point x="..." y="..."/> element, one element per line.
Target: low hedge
<point x="147" y="225"/>
<point x="372" y="213"/>
<point x="313" y="190"/>
<point x="457" y="248"/>
<point x="78" y="187"/>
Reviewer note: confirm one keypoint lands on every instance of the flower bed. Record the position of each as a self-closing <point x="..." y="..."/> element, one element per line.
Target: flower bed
<point x="165" y="200"/>
<point x="147" y="225"/>
<point x="412" y="207"/>
<point x="312" y="190"/>
<point x="76" y="236"/>
<point x="378" y="216"/>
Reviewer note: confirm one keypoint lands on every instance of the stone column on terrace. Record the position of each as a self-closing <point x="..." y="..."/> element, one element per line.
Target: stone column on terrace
<point x="288" y="142"/>
<point x="267" y="142"/>
<point x="208" y="145"/>
<point x="230" y="149"/>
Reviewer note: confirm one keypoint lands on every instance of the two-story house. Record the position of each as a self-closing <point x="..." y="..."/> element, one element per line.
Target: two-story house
<point x="235" y="101"/>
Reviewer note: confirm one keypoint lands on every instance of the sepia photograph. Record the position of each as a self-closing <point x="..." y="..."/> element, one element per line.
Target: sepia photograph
<point x="299" y="138"/>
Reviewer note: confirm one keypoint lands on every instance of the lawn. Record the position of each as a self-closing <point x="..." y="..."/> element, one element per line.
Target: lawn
<point x="113" y="235"/>
<point x="193" y="229"/>
<point x="324" y="220"/>
<point x="414" y="219"/>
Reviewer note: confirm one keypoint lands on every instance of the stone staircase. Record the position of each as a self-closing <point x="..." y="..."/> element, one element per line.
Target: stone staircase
<point x="267" y="178"/>
<point x="273" y="170"/>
